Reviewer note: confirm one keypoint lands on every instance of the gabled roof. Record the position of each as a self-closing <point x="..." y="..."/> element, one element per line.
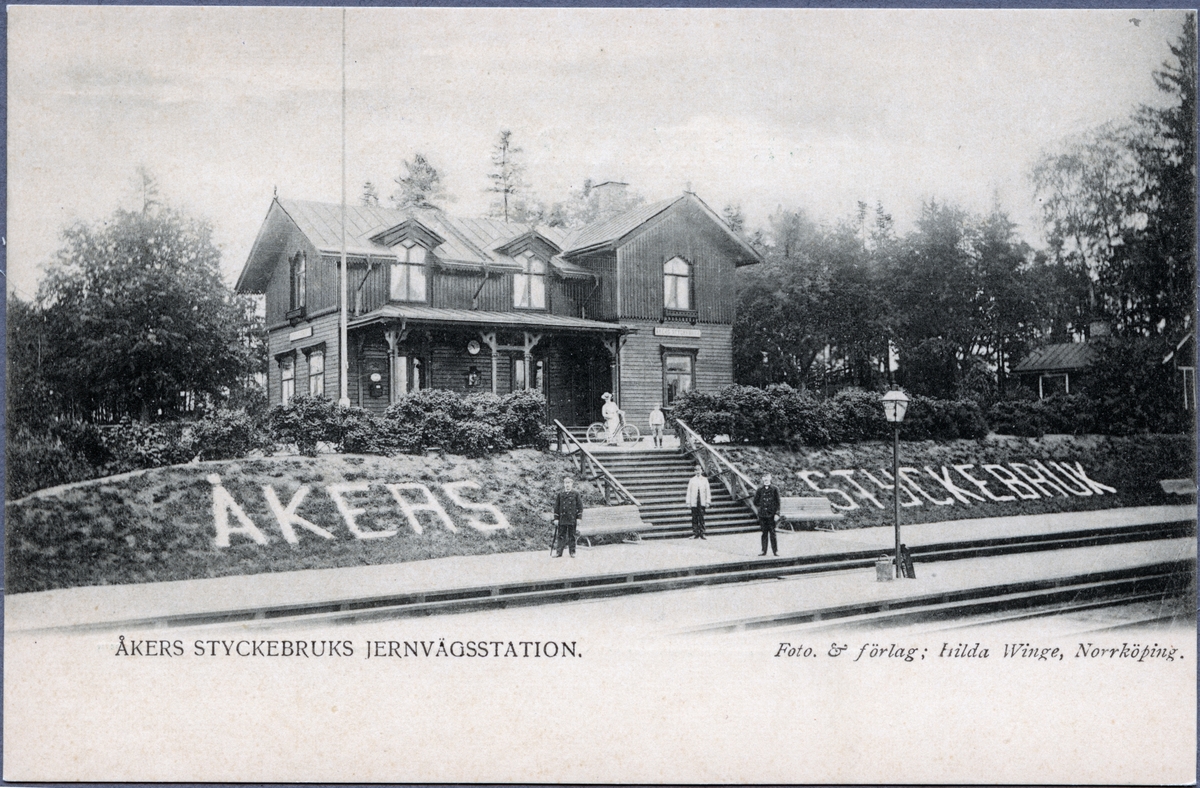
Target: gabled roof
<point x="461" y="243"/>
<point x="1064" y="357"/>
<point x="611" y="232"/>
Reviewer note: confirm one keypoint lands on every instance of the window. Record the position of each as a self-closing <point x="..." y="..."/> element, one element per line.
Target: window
<point x="298" y="275"/>
<point x="408" y="273"/>
<point x="316" y="373"/>
<point x="287" y="375"/>
<point x="1049" y="385"/>
<point x="677" y="375"/>
<point x="529" y="286"/>
<point x="518" y="373"/>
<point x="677" y="280"/>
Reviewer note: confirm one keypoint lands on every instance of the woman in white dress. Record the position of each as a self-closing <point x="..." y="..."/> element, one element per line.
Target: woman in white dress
<point x="612" y="419"/>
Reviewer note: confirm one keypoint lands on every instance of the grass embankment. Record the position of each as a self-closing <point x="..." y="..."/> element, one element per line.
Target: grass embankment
<point x="160" y="525"/>
<point x="1132" y="466"/>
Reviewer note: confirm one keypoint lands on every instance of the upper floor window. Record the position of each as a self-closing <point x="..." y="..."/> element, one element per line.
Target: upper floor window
<point x="298" y="275"/>
<point x="677" y="284"/>
<point x="529" y="286"/>
<point x="408" y="273"/>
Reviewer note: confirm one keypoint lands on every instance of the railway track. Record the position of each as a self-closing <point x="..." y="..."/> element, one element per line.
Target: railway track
<point x="363" y="609"/>
<point x="1048" y="597"/>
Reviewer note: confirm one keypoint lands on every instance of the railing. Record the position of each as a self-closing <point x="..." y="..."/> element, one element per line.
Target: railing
<point x="715" y="464"/>
<point x="591" y="469"/>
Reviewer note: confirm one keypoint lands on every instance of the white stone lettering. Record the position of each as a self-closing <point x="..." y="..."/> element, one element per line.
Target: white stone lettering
<point x="223" y="504"/>
<point x="861" y="491"/>
<point x="410" y="509"/>
<point x="850" y="502"/>
<point x="1010" y="480"/>
<point x="1082" y="491"/>
<point x="1078" y="475"/>
<point x="500" y="522"/>
<point x="982" y="485"/>
<point x="913" y="500"/>
<point x="908" y="480"/>
<point x="350" y="514"/>
<point x="288" y="517"/>
<point x="1038" y="480"/>
<point x="958" y="492"/>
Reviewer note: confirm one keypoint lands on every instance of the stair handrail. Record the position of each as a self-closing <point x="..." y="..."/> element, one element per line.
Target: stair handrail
<point x="594" y="466"/>
<point x="740" y="487"/>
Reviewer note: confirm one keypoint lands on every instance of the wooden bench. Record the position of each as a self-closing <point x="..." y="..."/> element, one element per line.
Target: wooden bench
<point x="799" y="510"/>
<point x="603" y="520"/>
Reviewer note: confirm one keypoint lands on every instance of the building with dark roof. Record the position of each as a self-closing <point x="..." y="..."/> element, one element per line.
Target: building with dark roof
<point x="640" y="304"/>
<point x="1056" y="369"/>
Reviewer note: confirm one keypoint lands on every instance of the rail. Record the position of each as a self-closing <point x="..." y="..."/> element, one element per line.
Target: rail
<point x="739" y="485"/>
<point x="592" y="469"/>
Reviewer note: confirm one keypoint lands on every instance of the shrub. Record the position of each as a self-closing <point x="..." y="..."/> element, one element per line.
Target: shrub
<point x="136" y="445"/>
<point x="1018" y="417"/>
<point x="305" y="421"/>
<point x="802" y="418"/>
<point x="34" y="461"/>
<point x="1073" y="414"/>
<point x="857" y="415"/>
<point x="525" y="418"/>
<point x="84" y="439"/>
<point x="476" y="438"/>
<point x="359" y="432"/>
<point x="225" y="434"/>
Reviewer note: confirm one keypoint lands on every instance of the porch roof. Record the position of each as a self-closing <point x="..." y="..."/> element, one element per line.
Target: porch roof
<point x="1063" y="357"/>
<point x="418" y="313"/>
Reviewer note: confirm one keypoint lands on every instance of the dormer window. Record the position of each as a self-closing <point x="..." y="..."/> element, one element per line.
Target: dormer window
<point x="677" y="284"/>
<point x="529" y="286"/>
<point x="297" y="276"/>
<point x="408" y="273"/>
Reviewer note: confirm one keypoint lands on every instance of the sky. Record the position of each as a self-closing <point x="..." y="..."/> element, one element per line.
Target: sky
<point x="799" y="108"/>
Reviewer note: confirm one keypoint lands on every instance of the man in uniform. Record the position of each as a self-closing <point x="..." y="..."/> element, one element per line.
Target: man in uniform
<point x="568" y="508"/>
<point x="766" y="501"/>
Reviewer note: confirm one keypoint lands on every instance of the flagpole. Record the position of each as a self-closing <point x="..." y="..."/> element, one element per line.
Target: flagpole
<point x="343" y="328"/>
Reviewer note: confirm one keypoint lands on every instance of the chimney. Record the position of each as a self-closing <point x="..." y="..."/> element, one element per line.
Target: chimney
<point x="1098" y="328"/>
<point x="611" y="197"/>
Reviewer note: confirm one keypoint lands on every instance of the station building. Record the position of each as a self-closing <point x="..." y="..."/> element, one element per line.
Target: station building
<point x="640" y="304"/>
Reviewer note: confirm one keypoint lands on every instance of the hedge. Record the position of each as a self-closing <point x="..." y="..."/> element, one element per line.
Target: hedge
<point x="781" y="415"/>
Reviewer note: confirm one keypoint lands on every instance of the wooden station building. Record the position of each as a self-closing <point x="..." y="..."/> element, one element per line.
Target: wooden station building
<point x="640" y="304"/>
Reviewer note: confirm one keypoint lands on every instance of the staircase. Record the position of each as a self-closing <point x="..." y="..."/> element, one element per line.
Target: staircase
<point x="659" y="480"/>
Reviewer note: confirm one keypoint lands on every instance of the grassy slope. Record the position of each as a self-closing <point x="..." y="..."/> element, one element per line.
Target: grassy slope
<point x="1132" y="465"/>
<point x="159" y="525"/>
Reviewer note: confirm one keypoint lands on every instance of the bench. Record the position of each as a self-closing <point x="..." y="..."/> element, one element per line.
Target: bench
<point x="799" y="510"/>
<point x="1178" y="486"/>
<point x="603" y="520"/>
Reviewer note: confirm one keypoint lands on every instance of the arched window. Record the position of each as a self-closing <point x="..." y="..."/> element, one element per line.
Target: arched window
<point x="408" y="273"/>
<point x="677" y="284"/>
<point x="529" y="286"/>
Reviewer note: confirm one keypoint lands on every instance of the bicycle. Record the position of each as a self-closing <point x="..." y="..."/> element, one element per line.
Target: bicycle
<point x="626" y="433"/>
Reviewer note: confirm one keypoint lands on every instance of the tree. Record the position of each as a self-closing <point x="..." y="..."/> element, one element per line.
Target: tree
<point x="1118" y="203"/>
<point x="508" y="176"/>
<point x="420" y="188"/>
<point x="137" y="315"/>
<point x="370" y="195"/>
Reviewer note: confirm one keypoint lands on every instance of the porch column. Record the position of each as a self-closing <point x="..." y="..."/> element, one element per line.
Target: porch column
<point x="613" y="346"/>
<point x="396" y="370"/>
<point x="531" y="341"/>
<point x="489" y="339"/>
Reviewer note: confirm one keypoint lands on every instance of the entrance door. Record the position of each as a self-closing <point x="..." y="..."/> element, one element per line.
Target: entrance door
<point x="585" y="376"/>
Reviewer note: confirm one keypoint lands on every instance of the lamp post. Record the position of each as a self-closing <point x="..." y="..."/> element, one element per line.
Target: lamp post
<point x="895" y="403"/>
